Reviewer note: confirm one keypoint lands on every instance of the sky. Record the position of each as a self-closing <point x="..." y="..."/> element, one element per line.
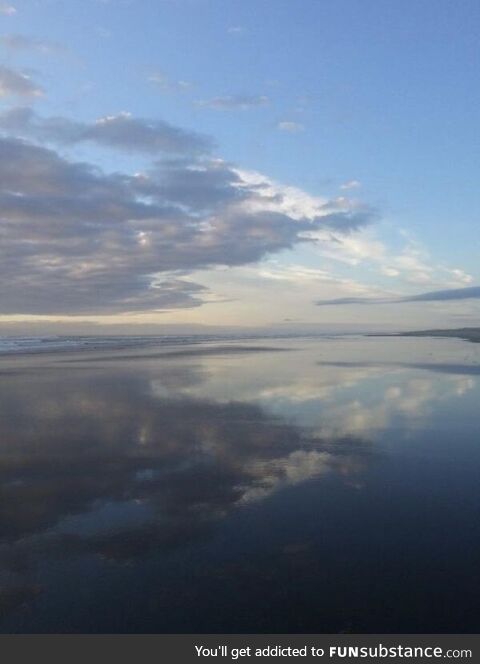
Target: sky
<point x="302" y="164"/>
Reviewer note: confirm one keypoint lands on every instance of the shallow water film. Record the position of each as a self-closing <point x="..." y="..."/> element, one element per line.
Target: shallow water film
<point x="307" y="485"/>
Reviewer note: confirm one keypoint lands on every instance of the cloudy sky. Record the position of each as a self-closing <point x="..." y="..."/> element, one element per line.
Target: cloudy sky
<point x="239" y="163"/>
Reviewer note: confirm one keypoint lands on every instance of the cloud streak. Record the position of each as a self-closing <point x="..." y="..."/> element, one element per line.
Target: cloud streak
<point x="350" y="184"/>
<point x="18" y="43"/>
<point x="449" y="295"/>
<point x="164" y="84"/>
<point x="235" y="102"/>
<point x="120" y="132"/>
<point x="290" y="127"/>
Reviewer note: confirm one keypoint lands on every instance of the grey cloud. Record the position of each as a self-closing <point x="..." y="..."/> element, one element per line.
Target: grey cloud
<point x="120" y="131"/>
<point x="196" y="186"/>
<point x="349" y="220"/>
<point x="98" y="294"/>
<point x="74" y="239"/>
<point x="472" y="292"/>
<point x="235" y="102"/>
<point x="14" y="83"/>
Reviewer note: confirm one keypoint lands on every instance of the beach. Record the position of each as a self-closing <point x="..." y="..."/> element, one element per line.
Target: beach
<point x="241" y="485"/>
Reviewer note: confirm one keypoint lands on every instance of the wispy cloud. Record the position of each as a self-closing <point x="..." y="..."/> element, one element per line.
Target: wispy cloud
<point x="449" y="295"/>
<point x="17" y="84"/>
<point x="16" y="42"/>
<point x="7" y="10"/>
<point x="290" y="126"/>
<point x="350" y="184"/>
<point x="411" y="264"/>
<point x="235" y="102"/>
<point x="164" y="84"/>
<point x="236" y="30"/>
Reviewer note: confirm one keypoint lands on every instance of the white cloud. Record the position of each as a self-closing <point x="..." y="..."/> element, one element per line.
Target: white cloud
<point x="350" y="184"/>
<point x="389" y="271"/>
<point x="459" y="276"/>
<point x="234" y="102"/>
<point x="164" y="84"/>
<point x="301" y="276"/>
<point x="410" y="266"/>
<point x="290" y="127"/>
<point x="298" y="204"/>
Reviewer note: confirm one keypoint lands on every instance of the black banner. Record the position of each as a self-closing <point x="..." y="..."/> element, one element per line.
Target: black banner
<point x="211" y="648"/>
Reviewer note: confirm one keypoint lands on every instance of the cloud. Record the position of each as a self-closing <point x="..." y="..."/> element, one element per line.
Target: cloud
<point x="290" y="127"/>
<point x="353" y="300"/>
<point x="460" y="276"/>
<point x="449" y="295"/>
<point x="411" y="264"/>
<point x="74" y="239"/>
<point x="122" y="132"/>
<point x="235" y="102"/>
<point x="16" y="42"/>
<point x="164" y="84"/>
<point x="350" y="184"/>
<point x="14" y="83"/>
<point x="338" y="215"/>
<point x="7" y="10"/>
<point x="472" y="292"/>
<point x="236" y="30"/>
<point x="303" y="276"/>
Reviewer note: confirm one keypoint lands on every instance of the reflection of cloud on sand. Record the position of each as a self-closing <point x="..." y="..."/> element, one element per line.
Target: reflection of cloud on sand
<point x="299" y="466"/>
<point x="271" y="382"/>
<point x="98" y="464"/>
<point x="407" y="402"/>
<point x="342" y="393"/>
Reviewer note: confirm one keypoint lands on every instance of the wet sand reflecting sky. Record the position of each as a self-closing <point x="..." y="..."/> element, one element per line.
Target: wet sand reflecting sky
<point x="330" y="488"/>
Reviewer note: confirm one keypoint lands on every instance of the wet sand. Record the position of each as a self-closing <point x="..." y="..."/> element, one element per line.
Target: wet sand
<point x="214" y="489"/>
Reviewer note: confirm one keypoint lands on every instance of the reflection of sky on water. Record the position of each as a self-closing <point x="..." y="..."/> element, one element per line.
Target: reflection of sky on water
<point x="318" y="387"/>
<point x="132" y="475"/>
